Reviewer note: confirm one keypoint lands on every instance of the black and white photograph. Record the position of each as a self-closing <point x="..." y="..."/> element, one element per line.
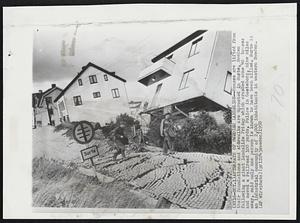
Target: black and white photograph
<point x="132" y="116"/>
<point x="150" y="111"/>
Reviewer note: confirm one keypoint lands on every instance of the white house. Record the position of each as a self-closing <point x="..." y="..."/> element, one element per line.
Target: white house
<point x="192" y="75"/>
<point x="95" y="95"/>
<point x="44" y="109"/>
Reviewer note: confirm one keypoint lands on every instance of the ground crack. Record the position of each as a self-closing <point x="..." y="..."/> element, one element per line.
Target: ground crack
<point x="121" y="161"/>
<point x="225" y="198"/>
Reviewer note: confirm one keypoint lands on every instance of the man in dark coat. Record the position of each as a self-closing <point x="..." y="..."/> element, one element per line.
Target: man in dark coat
<point x="120" y="140"/>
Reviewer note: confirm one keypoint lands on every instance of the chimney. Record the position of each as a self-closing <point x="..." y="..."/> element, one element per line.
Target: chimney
<point x="40" y="91"/>
<point x="53" y="85"/>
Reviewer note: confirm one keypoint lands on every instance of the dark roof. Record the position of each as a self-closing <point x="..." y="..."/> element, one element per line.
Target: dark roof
<point x="37" y="98"/>
<point x="178" y="45"/>
<point x="81" y="72"/>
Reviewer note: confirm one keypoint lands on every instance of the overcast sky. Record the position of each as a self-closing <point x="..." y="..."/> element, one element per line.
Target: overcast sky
<point x="125" y="48"/>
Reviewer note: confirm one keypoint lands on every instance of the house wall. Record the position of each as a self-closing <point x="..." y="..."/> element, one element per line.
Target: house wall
<point x="208" y="77"/>
<point x="220" y="64"/>
<point x="103" y="109"/>
<point x="170" y="92"/>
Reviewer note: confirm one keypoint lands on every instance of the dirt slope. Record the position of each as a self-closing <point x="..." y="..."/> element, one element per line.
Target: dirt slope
<point x="58" y="181"/>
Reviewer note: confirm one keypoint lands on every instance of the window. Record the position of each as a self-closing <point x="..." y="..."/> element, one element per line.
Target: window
<point x="77" y="100"/>
<point x="105" y="77"/>
<point x="96" y="94"/>
<point x="79" y="82"/>
<point x="195" y="47"/>
<point x="93" y="79"/>
<point x="228" y="83"/>
<point x="184" y="80"/>
<point x="115" y="93"/>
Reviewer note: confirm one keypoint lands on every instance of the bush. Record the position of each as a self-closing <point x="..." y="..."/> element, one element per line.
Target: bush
<point x="153" y="135"/>
<point x="128" y="120"/>
<point x="60" y="127"/>
<point x="227" y="115"/>
<point x="106" y="130"/>
<point x="129" y="123"/>
<point x="202" y="134"/>
<point x="66" y="126"/>
<point x="220" y="139"/>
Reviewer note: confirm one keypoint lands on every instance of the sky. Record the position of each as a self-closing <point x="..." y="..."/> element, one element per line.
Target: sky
<point x="124" y="48"/>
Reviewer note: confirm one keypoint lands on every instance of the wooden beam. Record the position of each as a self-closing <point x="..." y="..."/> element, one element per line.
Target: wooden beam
<point x="186" y="115"/>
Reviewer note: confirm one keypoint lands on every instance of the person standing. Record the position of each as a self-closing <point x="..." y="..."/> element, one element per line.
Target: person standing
<point x="141" y="139"/>
<point x="120" y="141"/>
<point x="165" y="126"/>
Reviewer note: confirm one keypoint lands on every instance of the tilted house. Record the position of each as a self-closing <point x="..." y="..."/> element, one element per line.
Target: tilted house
<point x="95" y="95"/>
<point x="192" y="75"/>
<point x="44" y="109"/>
